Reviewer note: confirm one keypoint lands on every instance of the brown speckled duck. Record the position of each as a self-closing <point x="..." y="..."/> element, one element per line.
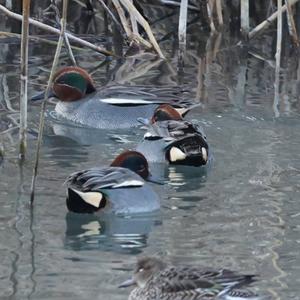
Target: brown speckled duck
<point x="155" y="280"/>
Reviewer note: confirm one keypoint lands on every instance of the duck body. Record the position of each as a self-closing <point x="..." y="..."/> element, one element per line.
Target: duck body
<point x="177" y="142"/>
<point x="120" y="188"/>
<point x="111" y="107"/>
<point x="155" y="280"/>
<point x="93" y="111"/>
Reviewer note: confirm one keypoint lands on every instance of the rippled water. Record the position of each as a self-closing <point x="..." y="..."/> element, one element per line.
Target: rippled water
<point x="242" y="214"/>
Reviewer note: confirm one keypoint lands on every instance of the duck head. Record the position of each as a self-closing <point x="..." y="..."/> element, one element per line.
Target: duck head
<point x="70" y="84"/>
<point x="145" y="268"/>
<point x="136" y="162"/>
<point x="165" y="112"/>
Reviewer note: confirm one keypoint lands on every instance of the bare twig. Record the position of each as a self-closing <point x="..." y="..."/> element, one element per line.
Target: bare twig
<point x="56" y="31"/>
<point x="43" y="108"/>
<point x="24" y="79"/>
<point x="265" y="24"/>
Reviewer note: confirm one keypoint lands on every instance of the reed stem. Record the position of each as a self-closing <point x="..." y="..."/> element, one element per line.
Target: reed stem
<point x="291" y="24"/>
<point x="245" y="24"/>
<point x="182" y="27"/>
<point x="43" y="107"/>
<point x="24" y="79"/>
<point x="278" y="59"/>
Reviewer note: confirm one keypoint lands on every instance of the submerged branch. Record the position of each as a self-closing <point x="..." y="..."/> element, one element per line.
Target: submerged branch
<point x="56" y="31"/>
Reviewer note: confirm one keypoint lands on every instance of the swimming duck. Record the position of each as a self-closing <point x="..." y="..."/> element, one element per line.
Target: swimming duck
<point x="172" y="139"/>
<point x="119" y="188"/>
<point x="154" y="279"/>
<point x="112" y="107"/>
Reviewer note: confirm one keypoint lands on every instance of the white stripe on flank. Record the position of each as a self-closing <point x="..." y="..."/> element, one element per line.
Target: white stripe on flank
<point x="125" y="101"/>
<point x="127" y="183"/>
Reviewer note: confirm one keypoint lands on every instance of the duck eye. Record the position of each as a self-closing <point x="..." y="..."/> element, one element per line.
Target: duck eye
<point x="140" y="270"/>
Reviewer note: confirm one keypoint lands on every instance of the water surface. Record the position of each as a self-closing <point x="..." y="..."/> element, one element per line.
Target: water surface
<point x="242" y="214"/>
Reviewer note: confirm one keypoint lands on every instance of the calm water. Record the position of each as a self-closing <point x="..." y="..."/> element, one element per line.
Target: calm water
<point x="242" y="214"/>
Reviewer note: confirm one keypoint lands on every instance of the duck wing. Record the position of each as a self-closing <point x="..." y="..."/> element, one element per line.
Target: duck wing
<point x="122" y="95"/>
<point x="96" y="179"/>
<point x="178" y="279"/>
<point x="171" y="130"/>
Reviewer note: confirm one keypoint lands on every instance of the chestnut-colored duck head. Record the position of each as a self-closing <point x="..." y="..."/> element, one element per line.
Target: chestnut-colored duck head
<point x="165" y="112"/>
<point x="133" y="160"/>
<point x="72" y="83"/>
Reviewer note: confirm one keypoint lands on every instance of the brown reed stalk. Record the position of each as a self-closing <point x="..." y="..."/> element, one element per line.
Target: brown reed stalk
<point x="43" y="108"/>
<point x="132" y="33"/>
<point x="134" y="24"/>
<point x="142" y="21"/>
<point x="278" y="58"/>
<point x="245" y="24"/>
<point x="123" y="19"/>
<point x="183" y="13"/>
<point x="291" y="24"/>
<point x="24" y="79"/>
<point x="210" y="13"/>
<point x="219" y="12"/>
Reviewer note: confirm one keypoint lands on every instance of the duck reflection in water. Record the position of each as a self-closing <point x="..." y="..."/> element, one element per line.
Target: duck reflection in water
<point x="109" y="232"/>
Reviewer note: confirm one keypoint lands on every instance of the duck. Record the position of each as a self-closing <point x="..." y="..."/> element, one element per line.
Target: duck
<point x="155" y="279"/>
<point x="120" y="188"/>
<point x="169" y="138"/>
<point x="114" y="107"/>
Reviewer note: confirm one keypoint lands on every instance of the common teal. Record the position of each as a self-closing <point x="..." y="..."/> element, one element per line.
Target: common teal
<point x="109" y="108"/>
<point x="170" y="138"/>
<point x="154" y="279"/>
<point x="119" y="188"/>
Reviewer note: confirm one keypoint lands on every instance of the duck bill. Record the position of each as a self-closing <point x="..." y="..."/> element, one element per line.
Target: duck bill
<point x="153" y="179"/>
<point x="127" y="283"/>
<point x="41" y="96"/>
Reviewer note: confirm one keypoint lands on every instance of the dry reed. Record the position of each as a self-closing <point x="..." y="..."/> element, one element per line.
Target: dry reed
<point x="24" y="79"/>
<point x="43" y="108"/>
